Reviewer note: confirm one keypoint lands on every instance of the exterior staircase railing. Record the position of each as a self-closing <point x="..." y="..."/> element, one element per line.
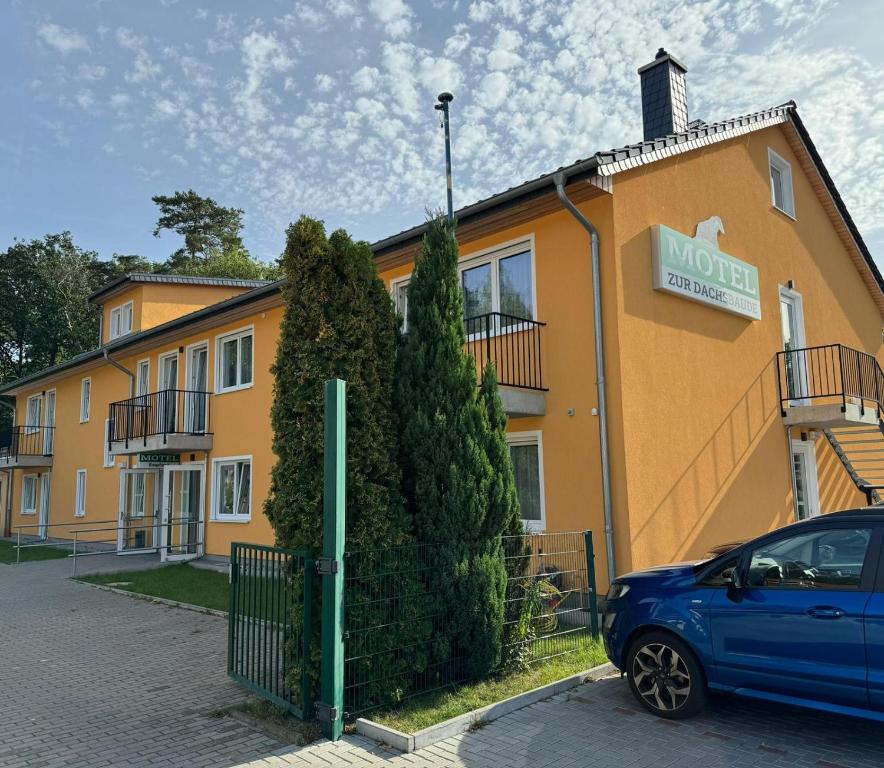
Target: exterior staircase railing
<point x="840" y="375"/>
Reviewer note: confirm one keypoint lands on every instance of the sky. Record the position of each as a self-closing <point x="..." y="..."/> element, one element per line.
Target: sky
<point x="326" y="107"/>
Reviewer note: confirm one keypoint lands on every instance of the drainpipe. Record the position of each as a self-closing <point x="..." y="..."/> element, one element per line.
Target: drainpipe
<point x="125" y="370"/>
<point x="560" y="180"/>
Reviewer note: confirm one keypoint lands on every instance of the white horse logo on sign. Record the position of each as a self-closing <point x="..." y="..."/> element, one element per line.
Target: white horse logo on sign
<point x="709" y="230"/>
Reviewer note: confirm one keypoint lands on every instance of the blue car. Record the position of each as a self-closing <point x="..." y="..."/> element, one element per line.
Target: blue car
<point x="795" y="616"/>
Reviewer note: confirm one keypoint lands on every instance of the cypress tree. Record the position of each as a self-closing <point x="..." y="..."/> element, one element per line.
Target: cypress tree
<point x="338" y="322"/>
<point x="450" y="483"/>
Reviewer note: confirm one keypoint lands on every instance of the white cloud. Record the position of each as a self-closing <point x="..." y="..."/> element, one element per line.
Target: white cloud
<point x="120" y="100"/>
<point x="395" y="15"/>
<point x="85" y="100"/>
<point x="493" y="90"/>
<point x="62" y="39"/>
<point x="504" y="54"/>
<point x="165" y="109"/>
<point x="91" y="72"/>
<point x="324" y="83"/>
<point x="262" y="56"/>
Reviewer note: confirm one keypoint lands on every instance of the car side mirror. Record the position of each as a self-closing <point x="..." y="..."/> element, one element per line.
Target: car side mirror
<point x="735" y="581"/>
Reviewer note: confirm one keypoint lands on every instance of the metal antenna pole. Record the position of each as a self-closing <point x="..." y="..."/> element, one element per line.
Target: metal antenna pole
<point x="445" y="99"/>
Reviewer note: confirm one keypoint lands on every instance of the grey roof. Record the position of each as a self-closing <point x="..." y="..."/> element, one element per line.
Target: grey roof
<point x="150" y="277"/>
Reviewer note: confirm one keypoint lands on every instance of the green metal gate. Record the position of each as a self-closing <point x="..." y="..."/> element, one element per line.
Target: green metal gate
<point x="269" y="624"/>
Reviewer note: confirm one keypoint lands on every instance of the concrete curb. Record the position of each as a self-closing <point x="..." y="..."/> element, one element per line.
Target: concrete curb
<point x="160" y="600"/>
<point x="410" y="742"/>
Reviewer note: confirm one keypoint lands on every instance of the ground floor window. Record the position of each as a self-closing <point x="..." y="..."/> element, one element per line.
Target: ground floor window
<point x="29" y="495"/>
<point x="80" y="501"/>
<point x="807" y="497"/>
<point x="232" y="496"/>
<point x="526" y="450"/>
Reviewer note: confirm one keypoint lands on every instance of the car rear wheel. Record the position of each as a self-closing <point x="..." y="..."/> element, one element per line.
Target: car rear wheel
<point x="665" y="677"/>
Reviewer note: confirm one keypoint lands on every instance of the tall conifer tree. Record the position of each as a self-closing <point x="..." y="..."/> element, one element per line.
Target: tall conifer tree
<point x="451" y="485"/>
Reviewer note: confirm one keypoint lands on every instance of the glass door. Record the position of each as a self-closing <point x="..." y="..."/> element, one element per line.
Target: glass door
<point x="139" y="510"/>
<point x="45" y="496"/>
<point x="182" y="512"/>
<point x="167" y="405"/>
<point x="49" y="424"/>
<point x="197" y="384"/>
<point x="794" y="345"/>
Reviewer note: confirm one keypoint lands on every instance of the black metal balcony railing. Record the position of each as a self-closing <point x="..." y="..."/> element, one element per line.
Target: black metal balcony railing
<point x="831" y="373"/>
<point x="512" y="344"/>
<point x="167" y="412"/>
<point x="26" y="440"/>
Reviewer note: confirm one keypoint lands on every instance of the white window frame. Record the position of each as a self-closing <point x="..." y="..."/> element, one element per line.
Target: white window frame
<point x="166" y="356"/>
<point x="33" y="428"/>
<point x="135" y="477"/>
<point x="25" y="510"/>
<point x="109" y="458"/>
<point x="80" y="494"/>
<point x="532" y="437"/>
<point x="85" y="399"/>
<point x="142" y="364"/>
<point x="237" y="334"/>
<point x="494" y="256"/>
<point x="782" y="165"/>
<point x="807" y="450"/>
<point x="395" y="284"/>
<point x="117" y="326"/>
<point x="217" y="516"/>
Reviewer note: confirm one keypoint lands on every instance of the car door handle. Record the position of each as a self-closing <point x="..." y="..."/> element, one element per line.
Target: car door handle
<point x="825" y="612"/>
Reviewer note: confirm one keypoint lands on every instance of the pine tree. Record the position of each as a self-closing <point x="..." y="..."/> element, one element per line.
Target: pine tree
<point x="450" y="484"/>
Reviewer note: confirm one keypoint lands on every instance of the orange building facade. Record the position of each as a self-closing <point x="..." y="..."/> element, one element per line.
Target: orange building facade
<point x="736" y="309"/>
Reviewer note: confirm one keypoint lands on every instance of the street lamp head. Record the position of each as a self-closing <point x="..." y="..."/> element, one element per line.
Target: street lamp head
<point x="445" y="97"/>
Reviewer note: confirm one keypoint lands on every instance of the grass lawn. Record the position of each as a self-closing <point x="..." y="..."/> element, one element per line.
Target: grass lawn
<point x="180" y="582"/>
<point x="31" y="554"/>
<point x="429" y="709"/>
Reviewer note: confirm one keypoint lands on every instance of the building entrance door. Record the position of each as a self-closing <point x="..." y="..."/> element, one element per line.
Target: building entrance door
<point x="139" y="510"/>
<point x="182" y="523"/>
<point x="794" y="344"/>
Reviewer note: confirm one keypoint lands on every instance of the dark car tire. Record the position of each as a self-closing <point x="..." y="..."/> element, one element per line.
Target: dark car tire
<point x="678" y="683"/>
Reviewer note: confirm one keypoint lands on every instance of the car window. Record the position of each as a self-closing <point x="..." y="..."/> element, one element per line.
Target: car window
<point x="720" y="575"/>
<point x="821" y="559"/>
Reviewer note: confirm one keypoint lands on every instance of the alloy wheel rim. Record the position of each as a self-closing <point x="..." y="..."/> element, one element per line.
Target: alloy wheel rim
<point x="661" y="677"/>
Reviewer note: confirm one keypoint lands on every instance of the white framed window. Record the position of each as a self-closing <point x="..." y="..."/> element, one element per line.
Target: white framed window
<point x="232" y="491"/>
<point x="234" y="356"/>
<point x="121" y="320"/>
<point x="108" y="456"/>
<point x="32" y="415"/>
<point x="781" y="191"/>
<point x="142" y="378"/>
<point x="804" y="478"/>
<point x="526" y="452"/>
<point x="80" y="498"/>
<point x="29" y="495"/>
<point x="85" y="399"/>
<point x="500" y="280"/>
<point x="399" y="292"/>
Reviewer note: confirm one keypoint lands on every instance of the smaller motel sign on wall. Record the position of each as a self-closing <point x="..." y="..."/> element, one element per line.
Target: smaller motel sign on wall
<point x="694" y="269"/>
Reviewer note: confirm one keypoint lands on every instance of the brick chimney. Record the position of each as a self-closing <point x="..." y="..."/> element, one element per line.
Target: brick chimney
<point x="664" y="96"/>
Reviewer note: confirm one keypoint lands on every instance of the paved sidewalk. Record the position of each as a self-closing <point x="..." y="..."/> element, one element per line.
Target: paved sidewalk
<point x="90" y="678"/>
<point x="599" y="724"/>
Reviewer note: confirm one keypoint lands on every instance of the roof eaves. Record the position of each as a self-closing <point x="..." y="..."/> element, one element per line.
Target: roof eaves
<point x="153" y="277"/>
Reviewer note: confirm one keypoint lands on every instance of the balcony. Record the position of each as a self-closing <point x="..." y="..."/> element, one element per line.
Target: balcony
<point x="828" y="387"/>
<point x="168" y="421"/>
<point x="27" y="446"/>
<point x="513" y="345"/>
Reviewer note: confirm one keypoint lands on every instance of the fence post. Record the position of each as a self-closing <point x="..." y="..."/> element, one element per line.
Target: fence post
<point x="591" y="583"/>
<point x="330" y="710"/>
<point x="233" y="578"/>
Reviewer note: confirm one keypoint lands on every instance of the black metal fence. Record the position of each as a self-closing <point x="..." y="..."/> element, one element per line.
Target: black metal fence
<point x="270" y="623"/>
<point x="512" y="344"/>
<point x="167" y="412"/>
<point x="831" y="373"/>
<point x="395" y="617"/>
<point x="26" y="441"/>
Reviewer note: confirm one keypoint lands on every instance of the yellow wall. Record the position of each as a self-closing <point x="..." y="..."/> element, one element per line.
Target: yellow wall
<point x="701" y="436"/>
<point x="158" y="303"/>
